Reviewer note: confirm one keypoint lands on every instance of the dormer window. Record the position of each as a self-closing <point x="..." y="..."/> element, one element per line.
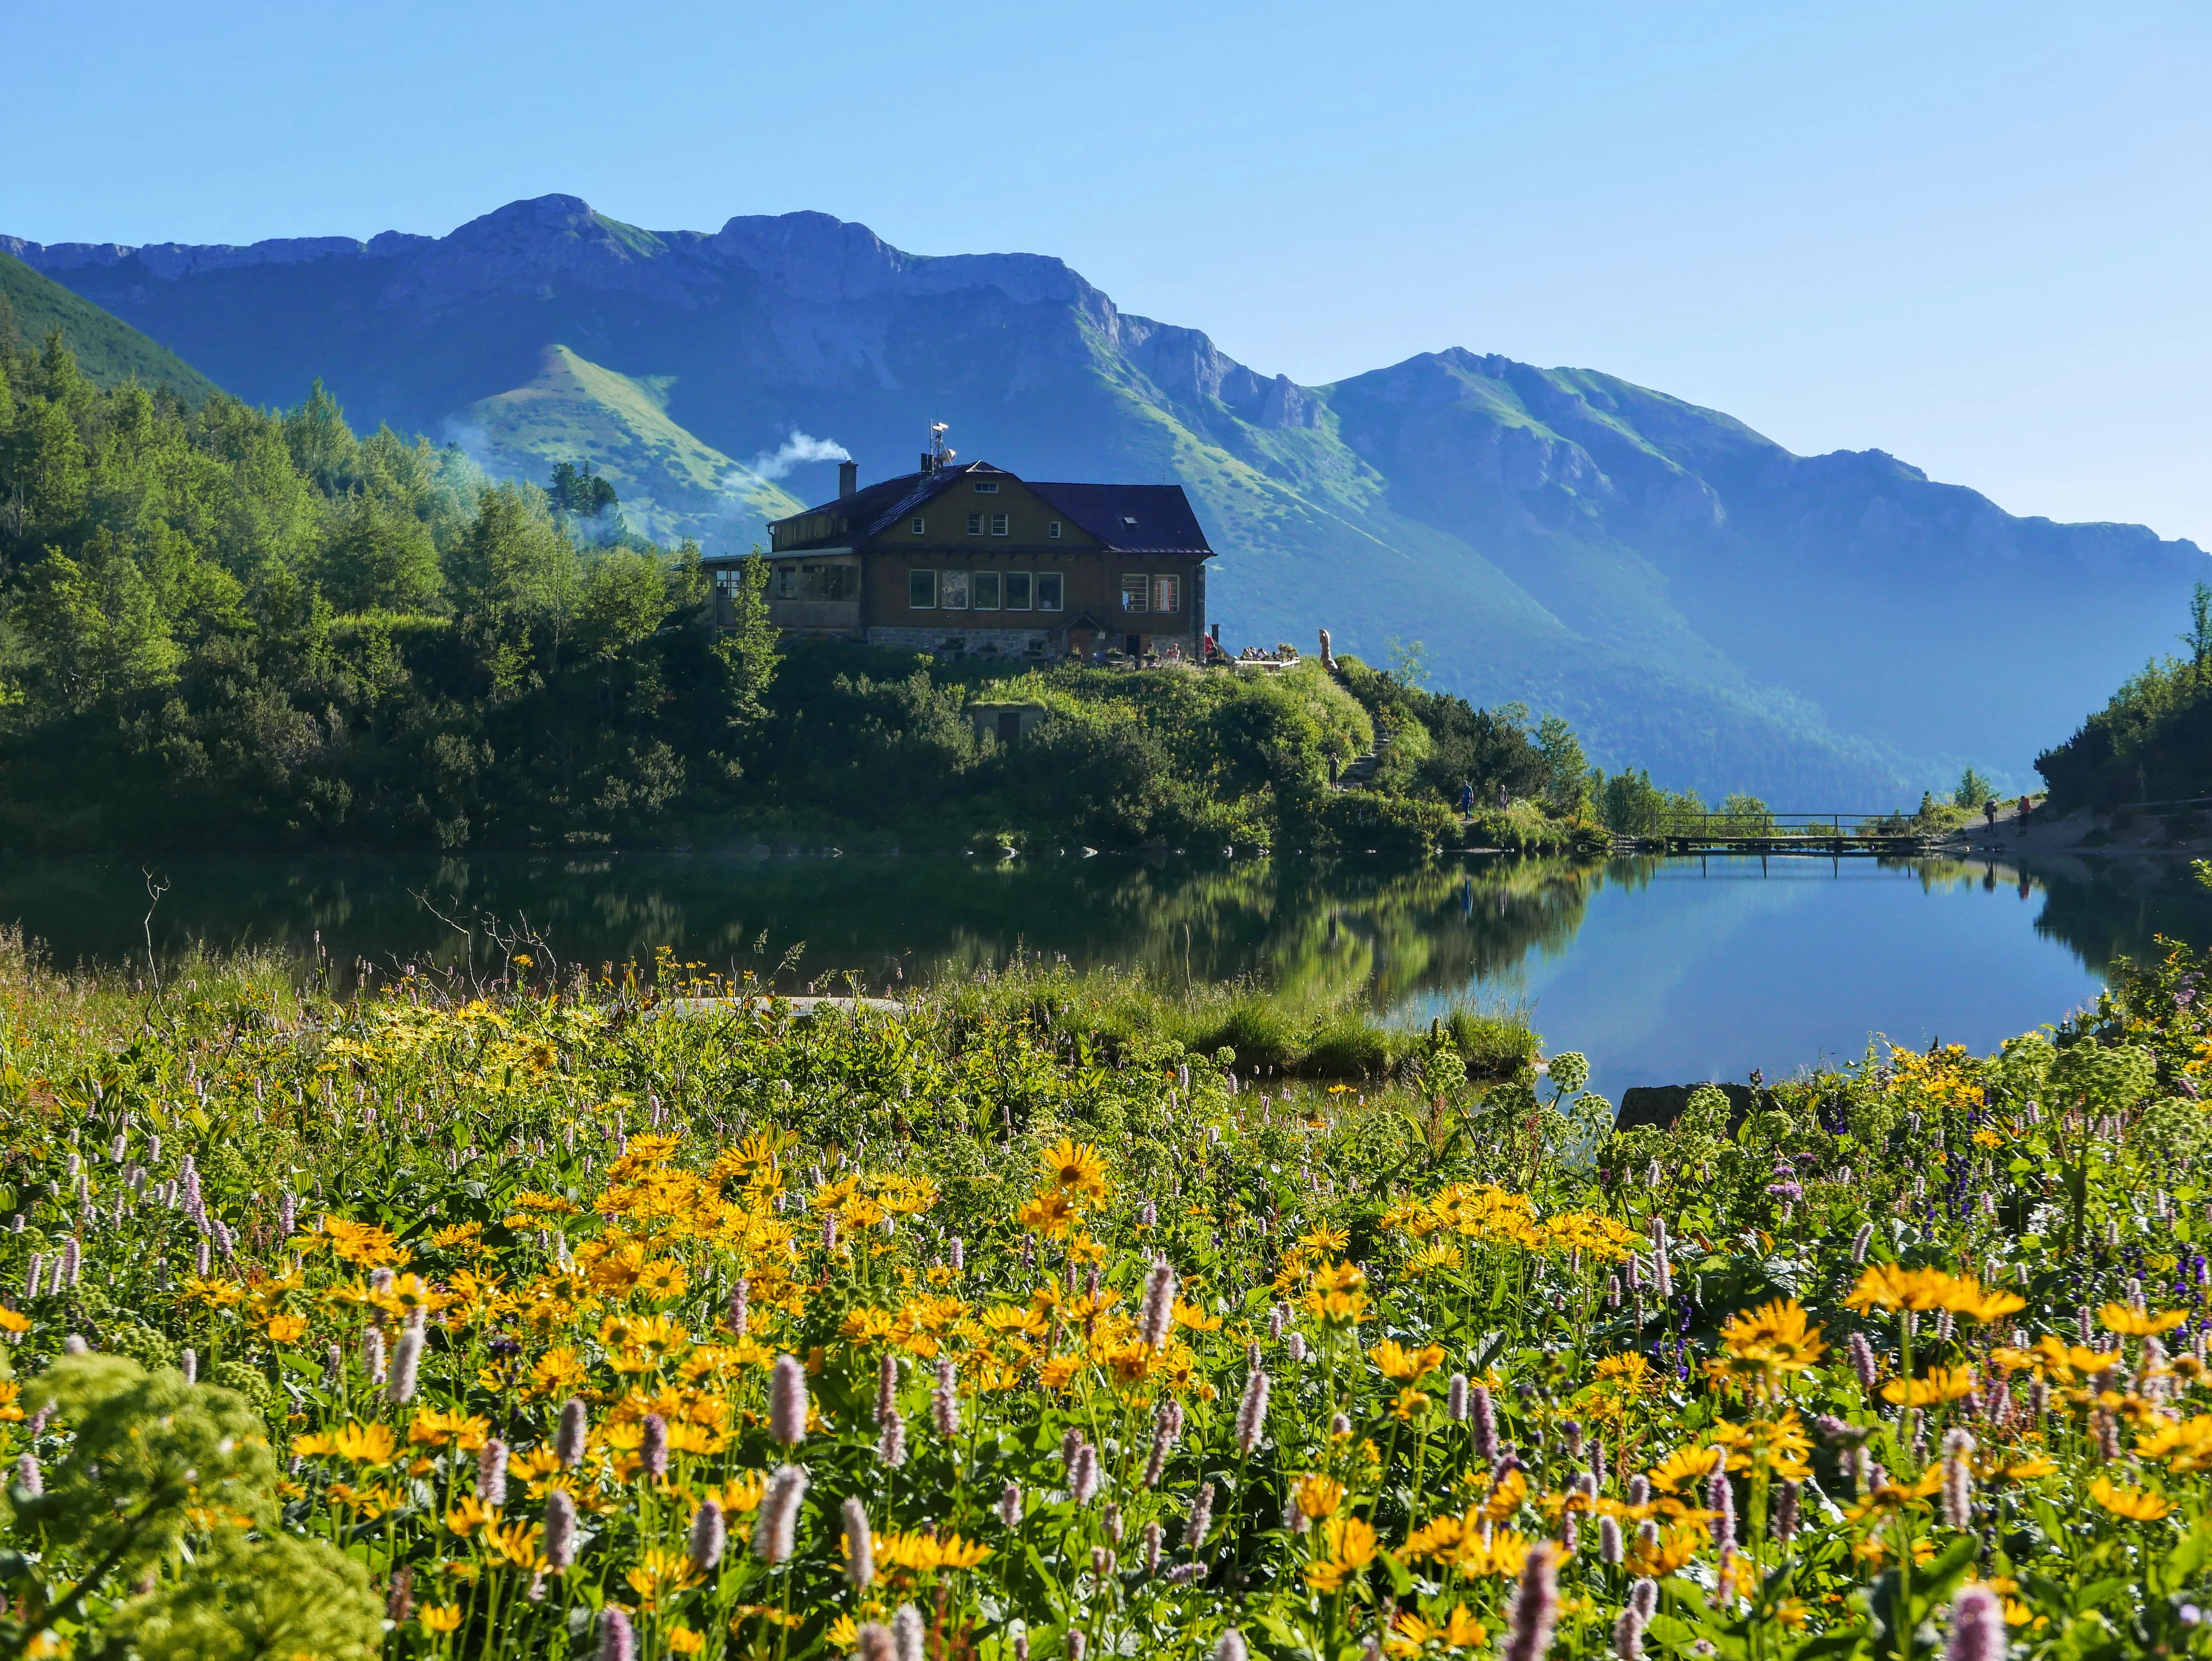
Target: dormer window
<point x="986" y="489"/>
<point x="1129" y="520"/>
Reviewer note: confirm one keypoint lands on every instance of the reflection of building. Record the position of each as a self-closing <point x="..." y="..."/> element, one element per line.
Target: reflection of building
<point x="971" y="559"/>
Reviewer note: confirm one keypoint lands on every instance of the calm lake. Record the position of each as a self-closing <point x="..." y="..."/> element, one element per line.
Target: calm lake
<point x="1664" y="971"/>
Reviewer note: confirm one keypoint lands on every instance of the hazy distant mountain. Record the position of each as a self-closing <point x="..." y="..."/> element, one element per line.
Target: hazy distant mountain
<point x="1831" y="630"/>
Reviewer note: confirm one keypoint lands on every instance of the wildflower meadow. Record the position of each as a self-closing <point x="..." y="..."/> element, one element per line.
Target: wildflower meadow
<point x="559" y="1316"/>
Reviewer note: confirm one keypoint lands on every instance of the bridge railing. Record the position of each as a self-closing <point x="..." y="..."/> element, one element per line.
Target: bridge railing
<point x="1828" y="826"/>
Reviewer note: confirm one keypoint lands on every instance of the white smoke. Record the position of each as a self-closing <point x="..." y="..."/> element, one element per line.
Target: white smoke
<point x="469" y="438"/>
<point x="796" y="451"/>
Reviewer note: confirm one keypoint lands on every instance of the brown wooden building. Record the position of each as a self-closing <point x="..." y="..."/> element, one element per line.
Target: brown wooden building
<point x="970" y="559"/>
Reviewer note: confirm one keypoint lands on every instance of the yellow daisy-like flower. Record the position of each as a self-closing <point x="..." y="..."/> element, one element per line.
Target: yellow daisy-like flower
<point x="439" y="1617"/>
<point x="2137" y="1505"/>
<point x="2134" y="1324"/>
<point x="1076" y="1168"/>
<point x="1318" y="1496"/>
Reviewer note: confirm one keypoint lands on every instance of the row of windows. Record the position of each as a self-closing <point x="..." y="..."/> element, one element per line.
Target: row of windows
<point x="986" y="591"/>
<point x="979" y="524"/>
<point x="1026" y="590"/>
<point x="817" y="582"/>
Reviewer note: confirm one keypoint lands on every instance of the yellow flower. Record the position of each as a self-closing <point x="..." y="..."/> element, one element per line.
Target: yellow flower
<point x="2136" y="1505"/>
<point x="467" y="1515"/>
<point x="439" y="1617"/>
<point x="1942" y="1384"/>
<point x="660" y="1571"/>
<point x="682" y="1641"/>
<point x="286" y="1329"/>
<point x="1319" y="1495"/>
<point x="1775" y="1337"/>
<point x="360" y="1445"/>
<point x="1193" y="1316"/>
<point x="1687" y="1464"/>
<point x="2119" y="1318"/>
<point x="14" y="1321"/>
<point x="844" y="1635"/>
<point x="1351" y="1547"/>
<point x="923" y="1554"/>
<point x="1892" y="1285"/>
<point x="1048" y="1214"/>
<point x="1403" y="1365"/>
<point x="1073" y="1167"/>
<point x="662" y="1281"/>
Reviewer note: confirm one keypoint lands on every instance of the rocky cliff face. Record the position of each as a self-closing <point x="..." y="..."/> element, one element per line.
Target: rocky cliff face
<point x="1839" y="629"/>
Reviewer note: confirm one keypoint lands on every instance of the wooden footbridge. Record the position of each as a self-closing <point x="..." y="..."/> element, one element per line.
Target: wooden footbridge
<point x="1829" y="834"/>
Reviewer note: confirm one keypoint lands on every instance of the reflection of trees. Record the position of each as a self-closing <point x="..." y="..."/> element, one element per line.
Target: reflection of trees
<point x="1316" y="929"/>
<point x="2115" y="911"/>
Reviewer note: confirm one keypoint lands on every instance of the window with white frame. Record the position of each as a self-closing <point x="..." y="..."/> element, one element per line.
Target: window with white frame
<point x="1167" y="593"/>
<point x="921" y="589"/>
<point x="1135" y="586"/>
<point x="918" y="527"/>
<point x="952" y="592"/>
<point x="1017" y="591"/>
<point x="1051" y="587"/>
<point x="985" y="588"/>
<point x="1052" y="529"/>
<point x="986" y="489"/>
<point x="974" y="525"/>
<point x="998" y="524"/>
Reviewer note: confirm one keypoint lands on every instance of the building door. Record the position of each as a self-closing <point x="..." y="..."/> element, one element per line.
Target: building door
<point x="1010" y="726"/>
<point x="1133" y="645"/>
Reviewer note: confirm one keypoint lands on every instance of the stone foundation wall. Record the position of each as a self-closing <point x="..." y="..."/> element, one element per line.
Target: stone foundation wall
<point x="974" y="642"/>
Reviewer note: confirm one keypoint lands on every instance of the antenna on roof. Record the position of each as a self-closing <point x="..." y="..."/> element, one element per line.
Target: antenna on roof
<point x="938" y="454"/>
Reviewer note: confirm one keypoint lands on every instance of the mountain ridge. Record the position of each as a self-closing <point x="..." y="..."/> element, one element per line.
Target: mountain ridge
<point x="1694" y="595"/>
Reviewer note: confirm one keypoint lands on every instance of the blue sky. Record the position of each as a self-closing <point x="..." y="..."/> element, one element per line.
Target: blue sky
<point x="1973" y="235"/>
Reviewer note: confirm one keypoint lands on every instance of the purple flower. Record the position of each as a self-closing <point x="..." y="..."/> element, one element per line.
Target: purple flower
<point x="786" y="1402"/>
<point x="907" y="1633"/>
<point x="559" y="1529"/>
<point x="710" y="1533"/>
<point x="1529" y="1635"/>
<point x="860" y="1546"/>
<point x="1159" y="1317"/>
<point x="568" y="1440"/>
<point x="406" y="1365"/>
<point x="491" y="1473"/>
<point x="616" y="1641"/>
<point x="1977" y="1625"/>
<point x="1201" y="1517"/>
<point x="944" y="1400"/>
<point x="775" y="1529"/>
<point x="1252" y="1412"/>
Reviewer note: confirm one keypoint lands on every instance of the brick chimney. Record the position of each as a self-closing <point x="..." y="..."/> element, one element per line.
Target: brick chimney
<point x="848" y="478"/>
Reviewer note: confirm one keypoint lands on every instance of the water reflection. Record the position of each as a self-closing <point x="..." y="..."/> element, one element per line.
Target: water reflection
<point x="1663" y="970"/>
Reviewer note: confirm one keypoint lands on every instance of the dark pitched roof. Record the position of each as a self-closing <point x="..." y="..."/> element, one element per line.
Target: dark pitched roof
<point x="1128" y="518"/>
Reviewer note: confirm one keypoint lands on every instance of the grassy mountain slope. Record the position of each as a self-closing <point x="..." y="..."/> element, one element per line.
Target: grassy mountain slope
<point x="671" y="484"/>
<point x="1838" y="629"/>
<point x="109" y="350"/>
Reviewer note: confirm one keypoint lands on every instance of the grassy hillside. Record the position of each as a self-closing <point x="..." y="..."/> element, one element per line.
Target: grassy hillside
<point x="109" y="350"/>
<point x="671" y="484"/>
